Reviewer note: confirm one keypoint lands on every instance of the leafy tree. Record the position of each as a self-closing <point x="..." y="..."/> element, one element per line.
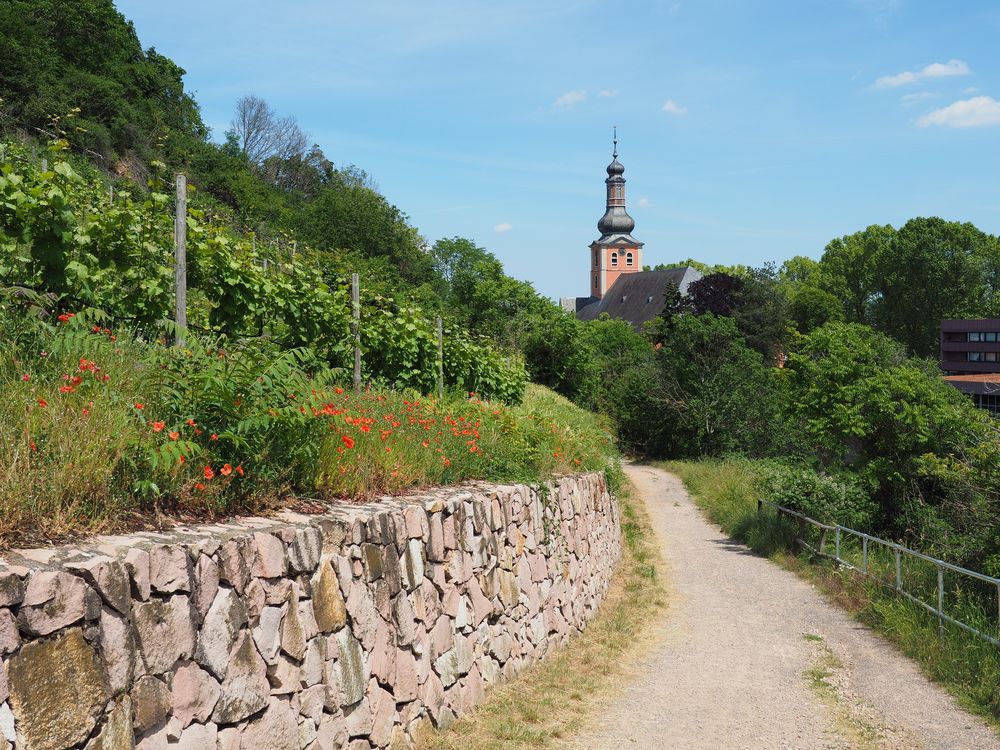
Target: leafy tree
<point x="799" y="270"/>
<point x="627" y="384"/>
<point x="932" y="269"/>
<point x="859" y="402"/>
<point x="847" y="270"/>
<point x="720" y="395"/>
<point x="755" y="302"/>
<point x="812" y="307"/>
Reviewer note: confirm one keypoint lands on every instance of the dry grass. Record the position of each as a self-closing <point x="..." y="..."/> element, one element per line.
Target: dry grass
<point x="549" y="701"/>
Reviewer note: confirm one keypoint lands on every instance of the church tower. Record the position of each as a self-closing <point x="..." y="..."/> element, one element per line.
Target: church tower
<point x="616" y="251"/>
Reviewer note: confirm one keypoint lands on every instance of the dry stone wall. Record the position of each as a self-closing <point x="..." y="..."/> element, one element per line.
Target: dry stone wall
<point x="356" y="628"/>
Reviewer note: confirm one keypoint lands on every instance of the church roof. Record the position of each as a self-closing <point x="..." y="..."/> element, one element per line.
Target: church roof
<point x="638" y="297"/>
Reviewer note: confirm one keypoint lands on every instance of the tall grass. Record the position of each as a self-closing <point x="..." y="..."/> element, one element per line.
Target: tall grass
<point x="969" y="667"/>
<point x="99" y="431"/>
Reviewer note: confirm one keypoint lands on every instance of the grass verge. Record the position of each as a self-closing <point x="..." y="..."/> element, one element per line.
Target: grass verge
<point x="550" y="700"/>
<point x="968" y="667"/>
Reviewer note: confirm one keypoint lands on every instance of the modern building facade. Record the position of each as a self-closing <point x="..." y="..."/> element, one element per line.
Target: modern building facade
<point x="970" y="359"/>
<point x="618" y="285"/>
<point x="970" y="347"/>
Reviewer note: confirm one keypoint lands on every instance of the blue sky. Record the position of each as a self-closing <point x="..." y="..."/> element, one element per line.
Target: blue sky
<point x="750" y="131"/>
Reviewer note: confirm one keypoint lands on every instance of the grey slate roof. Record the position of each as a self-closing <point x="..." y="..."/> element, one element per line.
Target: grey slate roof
<point x="637" y="297"/>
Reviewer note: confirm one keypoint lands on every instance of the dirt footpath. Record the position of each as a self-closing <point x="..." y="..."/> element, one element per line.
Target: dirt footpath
<point x="748" y="655"/>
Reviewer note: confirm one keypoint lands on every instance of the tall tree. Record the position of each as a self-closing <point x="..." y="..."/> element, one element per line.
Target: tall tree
<point x="932" y="269"/>
<point x="847" y="270"/>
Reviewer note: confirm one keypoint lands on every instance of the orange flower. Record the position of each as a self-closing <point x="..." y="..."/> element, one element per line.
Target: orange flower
<point x="348" y="440"/>
<point x="174" y="435"/>
<point x="157" y="426"/>
<point x="140" y="406"/>
<point x="239" y="470"/>
<point x="34" y="447"/>
<point x="199" y="486"/>
<point x="209" y="473"/>
<point x="190" y="423"/>
<point x="214" y="437"/>
<point x="226" y="470"/>
<point x="43" y="403"/>
<point x="338" y="390"/>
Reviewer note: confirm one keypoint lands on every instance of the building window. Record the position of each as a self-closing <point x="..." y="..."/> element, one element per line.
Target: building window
<point x="595" y="281"/>
<point x="595" y="259"/>
<point x="990" y="338"/>
<point x="628" y="259"/>
<point x="975" y="356"/>
<point x="990" y="357"/>
<point x="614" y="259"/>
<point x="975" y="336"/>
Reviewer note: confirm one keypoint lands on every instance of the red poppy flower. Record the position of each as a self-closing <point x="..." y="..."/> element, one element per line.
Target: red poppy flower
<point x="348" y="441"/>
<point x="190" y="423"/>
<point x="65" y="389"/>
<point x="140" y="406"/>
<point x="239" y="470"/>
<point x="43" y="403"/>
<point x="209" y="473"/>
<point x="338" y="390"/>
<point x="226" y="470"/>
<point x="157" y="426"/>
<point x="214" y="437"/>
<point x="199" y="486"/>
<point x="174" y="435"/>
<point x="25" y="378"/>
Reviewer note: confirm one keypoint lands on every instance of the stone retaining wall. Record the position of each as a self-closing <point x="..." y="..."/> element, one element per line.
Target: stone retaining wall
<point x="358" y="628"/>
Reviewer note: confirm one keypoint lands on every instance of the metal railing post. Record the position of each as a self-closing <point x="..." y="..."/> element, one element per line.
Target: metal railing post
<point x="940" y="607"/>
<point x="864" y="555"/>
<point x="899" y="568"/>
<point x="836" y="555"/>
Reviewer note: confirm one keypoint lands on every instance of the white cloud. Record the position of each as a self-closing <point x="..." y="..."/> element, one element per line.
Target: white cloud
<point x="644" y="203"/>
<point x="970" y="90"/>
<point x="965" y="113"/>
<point x="503" y="227"/>
<point x="934" y="70"/>
<point x="673" y="107"/>
<point x="609" y="92"/>
<point x="570" y="99"/>
<point x="918" y="97"/>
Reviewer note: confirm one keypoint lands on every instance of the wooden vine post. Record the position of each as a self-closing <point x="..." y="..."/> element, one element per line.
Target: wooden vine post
<point x="180" y="260"/>
<point x="440" y="358"/>
<point x="356" y="328"/>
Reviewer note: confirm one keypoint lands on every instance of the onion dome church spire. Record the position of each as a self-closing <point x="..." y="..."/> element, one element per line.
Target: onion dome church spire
<point x="616" y="252"/>
<point x="616" y="219"/>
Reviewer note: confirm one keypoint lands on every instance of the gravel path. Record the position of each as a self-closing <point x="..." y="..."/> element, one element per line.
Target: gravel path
<point x="750" y="656"/>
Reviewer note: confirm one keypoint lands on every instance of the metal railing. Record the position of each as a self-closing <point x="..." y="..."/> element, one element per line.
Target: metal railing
<point x="895" y="581"/>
